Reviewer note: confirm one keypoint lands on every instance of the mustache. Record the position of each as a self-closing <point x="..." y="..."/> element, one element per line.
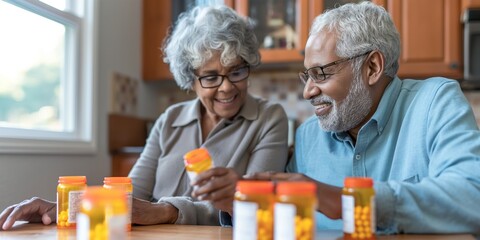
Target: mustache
<point x="320" y="99"/>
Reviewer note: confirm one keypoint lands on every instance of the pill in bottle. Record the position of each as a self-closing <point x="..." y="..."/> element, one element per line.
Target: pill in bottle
<point x="197" y="161"/>
<point x="103" y="214"/>
<point x="69" y="193"/>
<point x="294" y="211"/>
<point x="358" y="208"/>
<point x="124" y="184"/>
<point x="253" y="210"/>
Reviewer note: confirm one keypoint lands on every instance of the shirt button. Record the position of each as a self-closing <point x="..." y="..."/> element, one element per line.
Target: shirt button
<point x="358" y="156"/>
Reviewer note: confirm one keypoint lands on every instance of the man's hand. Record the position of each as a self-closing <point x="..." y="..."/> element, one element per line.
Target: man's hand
<point x="149" y="213"/>
<point x="31" y="210"/>
<point x="329" y="198"/>
<point x="217" y="185"/>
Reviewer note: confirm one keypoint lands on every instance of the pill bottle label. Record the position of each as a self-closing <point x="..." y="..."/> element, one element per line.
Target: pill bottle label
<point x="348" y="214"/>
<point x="285" y="221"/>
<point x="83" y="227"/>
<point x="372" y="214"/>
<point x="116" y="227"/>
<point x="348" y="208"/>
<point x="192" y="175"/>
<point x="245" y="220"/>
<point x="129" y="206"/>
<point x="74" y="201"/>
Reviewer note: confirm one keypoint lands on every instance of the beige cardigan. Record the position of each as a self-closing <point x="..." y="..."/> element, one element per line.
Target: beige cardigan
<point x="254" y="141"/>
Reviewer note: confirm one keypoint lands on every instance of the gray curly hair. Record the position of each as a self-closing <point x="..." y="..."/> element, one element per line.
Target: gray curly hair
<point x="204" y="31"/>
<point x="361" y="28"/>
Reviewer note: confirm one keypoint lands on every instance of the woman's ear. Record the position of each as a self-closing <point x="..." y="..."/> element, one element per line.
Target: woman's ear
<point x="375" y="66"/>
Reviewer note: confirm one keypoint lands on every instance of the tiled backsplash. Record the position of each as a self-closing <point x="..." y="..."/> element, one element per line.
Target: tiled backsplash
<point x="123" y="94"/>
<point x="284" y="88"/>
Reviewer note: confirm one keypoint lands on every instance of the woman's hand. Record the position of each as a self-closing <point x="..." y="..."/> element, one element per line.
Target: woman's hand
<point x="31" y="210"/>
<point x="150" y="213"/>
<point x="217" y="185"/>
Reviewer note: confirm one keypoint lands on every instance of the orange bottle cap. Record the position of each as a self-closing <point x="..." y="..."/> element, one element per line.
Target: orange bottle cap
<point x="196" y="155"/>
<point x="99" y="192"/>
<point x="358" y="182"/>
<point x="255" y="187"/>
<point x="72" y="179"/>
<point x="296" y="188"/>
<point x="116" y="180"/>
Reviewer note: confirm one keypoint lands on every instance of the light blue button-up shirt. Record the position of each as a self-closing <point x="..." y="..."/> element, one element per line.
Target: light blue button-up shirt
<point x="421" y="147"/>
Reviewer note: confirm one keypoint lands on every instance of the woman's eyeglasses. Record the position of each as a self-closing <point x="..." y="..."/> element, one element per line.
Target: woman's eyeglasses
<point x="213" y="81"/>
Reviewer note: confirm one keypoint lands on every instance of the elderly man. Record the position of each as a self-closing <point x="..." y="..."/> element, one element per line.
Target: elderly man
<point x="418" y="140"/>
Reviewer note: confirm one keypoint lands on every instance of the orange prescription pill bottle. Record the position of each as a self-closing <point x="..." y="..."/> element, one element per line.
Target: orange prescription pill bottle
<point x="253" y="210"/>
<point x="124" y="184"/>
<point x="197" y="161"/>
<point x="69" y="193"/>
<point x="358" y="208"/>
<point x="103" y="214"/>
<point x="294" y="210"/>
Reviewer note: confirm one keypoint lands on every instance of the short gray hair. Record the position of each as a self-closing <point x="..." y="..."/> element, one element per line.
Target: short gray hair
<point x="361" y="28"/>
<point x="204" y="31"/>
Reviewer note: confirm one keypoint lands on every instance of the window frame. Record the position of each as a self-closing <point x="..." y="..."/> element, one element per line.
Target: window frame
<point x="80" y="93"/>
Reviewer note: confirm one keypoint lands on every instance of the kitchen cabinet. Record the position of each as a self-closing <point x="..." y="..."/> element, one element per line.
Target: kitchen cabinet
<point x="281" y="26"/>
<point x="122" y="163"/>
<point x="430" y="32"/>
<point x="126" y="137"/>
<point x="157" y="17"/>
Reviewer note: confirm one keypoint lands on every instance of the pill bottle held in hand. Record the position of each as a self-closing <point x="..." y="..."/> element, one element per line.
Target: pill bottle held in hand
<point x="197" y="161"/>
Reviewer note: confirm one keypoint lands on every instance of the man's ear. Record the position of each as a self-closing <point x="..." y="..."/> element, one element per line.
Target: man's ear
<point x="375" y="62"/>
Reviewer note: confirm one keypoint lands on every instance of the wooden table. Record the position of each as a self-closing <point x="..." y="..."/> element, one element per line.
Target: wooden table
<point x="181" y="232"/>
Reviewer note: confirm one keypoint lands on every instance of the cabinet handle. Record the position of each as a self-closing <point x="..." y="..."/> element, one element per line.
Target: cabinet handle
<point x="454" y="65"/>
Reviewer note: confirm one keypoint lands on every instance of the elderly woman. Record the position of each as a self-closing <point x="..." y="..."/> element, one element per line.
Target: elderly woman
<point x="211" y="51"/>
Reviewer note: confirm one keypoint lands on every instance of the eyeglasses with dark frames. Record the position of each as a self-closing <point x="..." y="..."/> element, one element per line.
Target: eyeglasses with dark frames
<point x="216" y="80"/>
<point x="317" y="73"/>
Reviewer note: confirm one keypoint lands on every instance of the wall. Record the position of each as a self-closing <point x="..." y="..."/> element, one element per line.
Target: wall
<point x="119" y="34"/>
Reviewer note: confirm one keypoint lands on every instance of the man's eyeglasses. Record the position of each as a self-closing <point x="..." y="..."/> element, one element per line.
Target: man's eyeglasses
<point x="317" y="73"/>
<point x="213" y="81"/>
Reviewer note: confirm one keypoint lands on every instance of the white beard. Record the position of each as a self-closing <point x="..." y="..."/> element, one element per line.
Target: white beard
<point x="350" y="112"/>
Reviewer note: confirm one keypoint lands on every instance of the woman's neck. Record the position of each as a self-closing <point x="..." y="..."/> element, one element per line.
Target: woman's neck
<point x="208" y="122"/>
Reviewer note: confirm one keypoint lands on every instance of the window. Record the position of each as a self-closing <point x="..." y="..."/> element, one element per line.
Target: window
<point x="47" y="76"/>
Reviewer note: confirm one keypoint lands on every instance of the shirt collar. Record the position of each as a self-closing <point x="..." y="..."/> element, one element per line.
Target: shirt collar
<point x="191" y="112"/>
